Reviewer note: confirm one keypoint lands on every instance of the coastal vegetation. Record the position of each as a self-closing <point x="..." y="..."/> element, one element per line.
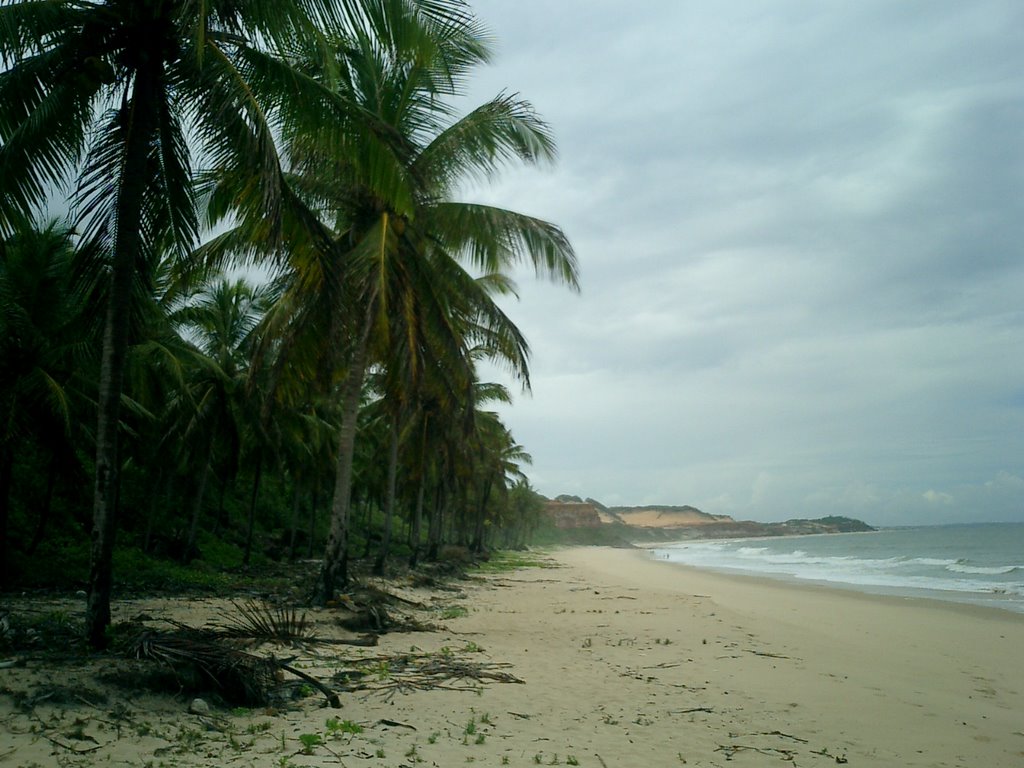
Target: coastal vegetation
<point x="254" y="329"/>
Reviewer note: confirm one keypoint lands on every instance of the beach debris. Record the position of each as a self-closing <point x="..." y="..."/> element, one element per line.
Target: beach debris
<point x="262" y="622"/>
<point x="216" y="657"/>
<point x="731" y="750"/>
<point x="692" y="710"/>
<point x="765" y="654"/>
<point x="372" y="609"/>
<point x="404" y="673"/>
<point x="840" y="759"/>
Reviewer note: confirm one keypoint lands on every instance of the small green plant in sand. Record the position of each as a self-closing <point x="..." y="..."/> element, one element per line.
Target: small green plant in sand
<point x="380" y="752"/>
<point x="310" y="740"/>
<point x="471" y="726"/>
<point x="413" y="754"/>
<point x="454" y="612"/>
<point x="480" y="738"/>
<point x="537" y="760"/>
<point x="571" y="760"/>
<point x="432" y="738"/>
<point x="338" y="727"/>
<point x="485" y="719"/>
<point x="189" y="738"/>
<point x="505" y="760"/>
<point x="502" y="562"/>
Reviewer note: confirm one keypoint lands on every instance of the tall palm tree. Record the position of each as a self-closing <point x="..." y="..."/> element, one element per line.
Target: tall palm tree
<point x="374" y="245"/>
<point x="108" y="91"/>
<point x="401" y="244"/>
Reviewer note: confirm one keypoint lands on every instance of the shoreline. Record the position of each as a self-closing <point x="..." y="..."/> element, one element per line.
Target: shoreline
<point x="898" y="594"/>
<point x="956" y="582"/>
<point x="934" y="600"/>
<point x="607" y="659"/>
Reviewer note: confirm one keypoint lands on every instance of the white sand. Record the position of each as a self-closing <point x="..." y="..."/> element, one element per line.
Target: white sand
<point x="626" y="662"/>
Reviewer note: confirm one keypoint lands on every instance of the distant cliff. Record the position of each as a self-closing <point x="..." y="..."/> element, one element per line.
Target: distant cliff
<point x="665" y="516"/>
<point x="596" y="523"/>
<point x="569" y="514"/>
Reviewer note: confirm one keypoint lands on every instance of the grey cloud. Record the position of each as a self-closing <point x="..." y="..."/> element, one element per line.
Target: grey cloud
<point x="800" y="232"/>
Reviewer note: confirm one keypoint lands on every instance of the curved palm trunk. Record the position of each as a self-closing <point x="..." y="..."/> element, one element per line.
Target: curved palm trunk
<point x="128" y="241"/>
<point x="334" y="571"/>
<point x="389" y="499"/>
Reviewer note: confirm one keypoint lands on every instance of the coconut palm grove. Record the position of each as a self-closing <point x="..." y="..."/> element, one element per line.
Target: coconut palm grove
<point x="244" y="304"/>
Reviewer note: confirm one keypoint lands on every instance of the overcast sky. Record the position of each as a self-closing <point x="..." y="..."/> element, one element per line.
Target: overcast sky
<point x="800" y="227"/>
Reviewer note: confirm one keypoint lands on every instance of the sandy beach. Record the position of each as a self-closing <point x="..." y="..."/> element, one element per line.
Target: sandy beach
<point x="623" y="661"/>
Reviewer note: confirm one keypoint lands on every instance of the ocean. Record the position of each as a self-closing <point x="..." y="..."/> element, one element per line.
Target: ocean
<point x="978" y="563"/>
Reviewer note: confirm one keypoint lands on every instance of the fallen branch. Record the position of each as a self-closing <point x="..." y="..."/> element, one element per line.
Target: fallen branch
<point x="409" y="672"/>
<point x="766" y="654"/>
<point x="709" y="710"/>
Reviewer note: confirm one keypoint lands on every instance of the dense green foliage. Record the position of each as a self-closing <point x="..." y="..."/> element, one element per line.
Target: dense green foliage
<point x="333" y="407"/>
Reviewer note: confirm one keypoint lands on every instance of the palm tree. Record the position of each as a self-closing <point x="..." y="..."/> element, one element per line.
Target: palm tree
<point x="221" y="321"/>
<point x="44" y="341"/>
<point x="374" y="247"/>
<point x="496" y="460"/>
<point x="383" y="188"/>
<point x="108" y="91"/>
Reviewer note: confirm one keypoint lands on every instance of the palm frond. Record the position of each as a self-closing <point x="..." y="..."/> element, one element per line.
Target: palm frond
<point x="494" y="238"/>
<point x="265" y="623"/>
<point x="480" y="144"/>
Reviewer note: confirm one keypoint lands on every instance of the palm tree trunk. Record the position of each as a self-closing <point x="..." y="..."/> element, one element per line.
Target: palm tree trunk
<point x="258" y="475"/>
<point x="417" y="523"/>
<point x="221" y="512"/>
<point x="369" y="535"/>
<point x="197" y="504"/>
<point x="435" y="530"/>
<point x="312" y="516"/>
<point x="334" y="571"/>
<point x="45" y="511"/>
<point x="139" y="113"/>
<point x="389" y="499"/>
<point x="478" y="533"/>
<point x="159" y="488"/>
<point x="296" y="504"/>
